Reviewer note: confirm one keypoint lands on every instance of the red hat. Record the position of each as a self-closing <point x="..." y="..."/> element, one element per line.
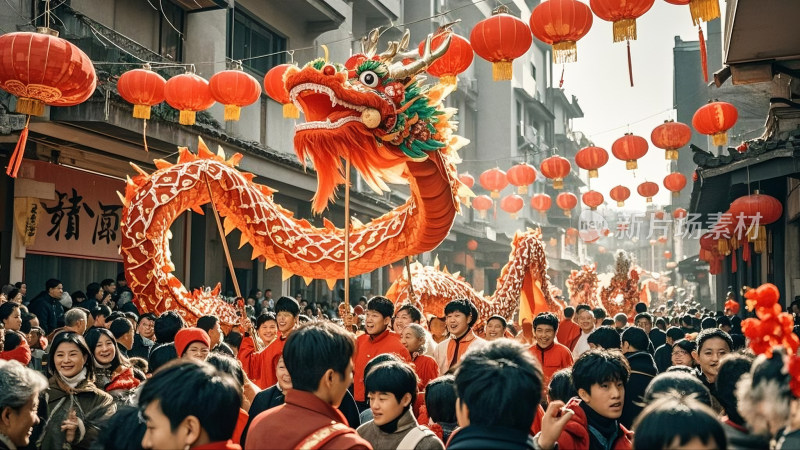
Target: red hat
<point x="22" y="354"/>
<point x="186" y="336"/>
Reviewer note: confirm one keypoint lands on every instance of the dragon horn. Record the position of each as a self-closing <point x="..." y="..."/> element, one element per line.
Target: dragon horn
<point x="369" y="43"/>
<point x="388" y="55"/>
<point x="400" y="71"/>
<point x="405" y="40"/>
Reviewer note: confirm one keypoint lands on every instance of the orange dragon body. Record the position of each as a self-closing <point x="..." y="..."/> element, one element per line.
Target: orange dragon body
<point x="373" y="113"/>
<point x="523" y="281"/>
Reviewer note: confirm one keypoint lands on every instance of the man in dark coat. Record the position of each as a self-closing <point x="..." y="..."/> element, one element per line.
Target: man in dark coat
<point x="499" y="387"/>
<point x="47" y="306"/>
<point x="663" y="356"/>
<point x="643" y="370"/>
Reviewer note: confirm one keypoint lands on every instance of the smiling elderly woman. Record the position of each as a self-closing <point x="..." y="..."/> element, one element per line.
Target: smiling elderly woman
<point x="19" y="401"/>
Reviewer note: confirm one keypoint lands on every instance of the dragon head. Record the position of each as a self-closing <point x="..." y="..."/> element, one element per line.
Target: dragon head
<point x="372" y="111"/>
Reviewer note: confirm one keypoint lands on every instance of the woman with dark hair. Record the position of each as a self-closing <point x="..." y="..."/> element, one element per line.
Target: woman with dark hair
<point x="113" y="372"/>
<point x="11" y="316"/>
<point x="440" y="401"/>
<point x="677" y="422"/>
<point x="78" y="409"/>
<point x="682" y="353"/>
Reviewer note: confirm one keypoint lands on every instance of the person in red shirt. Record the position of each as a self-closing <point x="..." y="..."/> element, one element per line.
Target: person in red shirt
<point x="260" y="367"/>
<point x="552" y="355"/>
<point x="377" y="340"/>
<point x="590" y="420"/>
<point x="319" y="358"/>
<point x="413" y="339"/>
<point x="568" y="331"/>
<point x="190" y="404"/>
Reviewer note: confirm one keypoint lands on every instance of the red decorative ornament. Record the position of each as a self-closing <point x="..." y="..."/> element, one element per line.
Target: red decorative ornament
<point x="456" y="59"/>
<point x="276" y="89"/>
<point x="667" y="254"/>
<point x="501" y="39"/>
<point x="188" y="93"/>
<point x="42" y="69"/>
<point x="679" y="213"/>
<point x="623" y="14"/>
<point x="521" y="175"/>
<point x="512" y="204"/>
<point x="494" y="181"/>
<point x="482" y="204"/>
<point x="771" y="328"/>
<point x="629" y="148"/>
<point x="715" y="119"/>
<point x="234" y="88"/>
<point x="143" y="88"/>
<point x="571" y="236"/>
<point x="732" y="306"/>
<point x="472" y="245"/>
<point x="662" y="239"/>
<point x="648" y="189"/>
<point x="658" y="215"/>
<point x="556" y="168"/>
<point x="593" y="199"/>
<point x="620" y="194"/>
<point x="674" y="183"/>
<point x="467" y="179"/>
<point x="541" y="202"/>
<point x="671" y="136"/>
<point x="567" y="201"/>
<point x="561" y="23"/>
<point x="591" y="159"/>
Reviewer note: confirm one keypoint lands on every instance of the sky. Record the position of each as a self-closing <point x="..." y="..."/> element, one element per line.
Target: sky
<point x="611" y="107"/>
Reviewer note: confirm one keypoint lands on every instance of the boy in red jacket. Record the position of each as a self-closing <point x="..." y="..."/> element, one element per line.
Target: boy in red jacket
<point x="590" y="420"/>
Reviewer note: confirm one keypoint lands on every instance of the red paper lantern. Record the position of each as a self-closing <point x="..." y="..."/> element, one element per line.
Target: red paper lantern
<point x="455" y="60"/>
<point x="493" y="180"/>
<point x="541" y="202"/>
<point x="188" y="93"/>
<point x="276" y="90"/>
<point x="623" y="14"/>
<point x="674" y="182"/>
<point x="512" y="204"/>
<point x="42" y="69"/>
<point x="648" y="189"/>
<point x="501" y="39"/>
<point x="521" y="175"/>
<point x="467" y="179"/>
<point x="567" y="201"/>
<point x="561" y="23"/>
<point x="571" y="236"/>
<point x="143" y="88"/>
<point x="667" y="254"/>
<point x="768" y="208"/>
<point x="715" y="119"/>
<point x="593" y="199"/>
<point x="591" y="159"/>
<point x="658" y="215"/>
<point x="482" y="204"/>
<point x="234" y="89"/>
<point x="556" y="168"/>
<point x="629" y="148"/>
<point x="472" y="245"/>
<point x="662" y="239"/>
<point x="671" y="136"/>
<point x="620" y="194"/>
<point x="679" y="213"/>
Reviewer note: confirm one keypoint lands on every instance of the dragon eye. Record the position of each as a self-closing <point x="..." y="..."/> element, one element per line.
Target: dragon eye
<point x="369" y="78"/>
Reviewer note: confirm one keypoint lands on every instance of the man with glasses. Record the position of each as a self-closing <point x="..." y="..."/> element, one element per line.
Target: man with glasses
<point x="145" y="335"/>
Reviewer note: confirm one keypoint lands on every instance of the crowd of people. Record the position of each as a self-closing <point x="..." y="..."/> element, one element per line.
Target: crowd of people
<point x="93" y="372"/>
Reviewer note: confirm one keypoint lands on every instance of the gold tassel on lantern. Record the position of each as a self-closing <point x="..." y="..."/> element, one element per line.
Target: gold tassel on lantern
<point x="495" y="194"/>
<point x="232" y="112"/>
<point x="558" y="183"/>
<point x="723" y="248"/>
<point x="631" y="165"/>
<point x="704" y="10"/>
<point x="449" y="80"/>
<point x="625" y="30"/>
<point x="141" y="112"/>
<point x="30" y="106"/>
<point x="567" y="213"/>
<point x="187" y="117"/>
<point x="290" y="111"/>
<point x="565" y="52"/>
<point x="758" y="236"/>
<point x="502" y="70"/>
<point x="593" y="173"/>
<point x="720" y="138"/>
<point x="671" y="155"/>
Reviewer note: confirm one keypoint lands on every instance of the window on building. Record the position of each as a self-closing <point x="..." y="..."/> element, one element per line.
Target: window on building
<point x="533" y="71"/>
<point x="171" y="29"/>
<point x="520" y="119"/>
<point x="252" y="38"/>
